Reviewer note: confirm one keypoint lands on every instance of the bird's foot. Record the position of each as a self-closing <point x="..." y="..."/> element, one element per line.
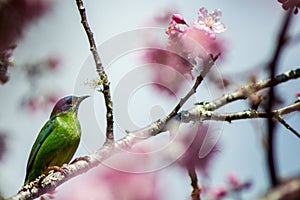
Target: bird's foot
<point x="62" y="170"/>
<point x="84" y="158"/>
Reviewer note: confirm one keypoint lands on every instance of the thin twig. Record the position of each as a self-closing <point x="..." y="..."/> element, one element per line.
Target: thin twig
<point x="101" y="73"/>
<point x="194" y="183"/>
<point x="286" y="125"/>
<point x="245" y="91"/>
<point x="282" y="37"/>
<point x="207" y="66"/>
<point x="198" y="113"/>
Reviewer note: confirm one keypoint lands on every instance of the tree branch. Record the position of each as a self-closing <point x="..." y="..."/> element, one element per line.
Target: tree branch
<point x="246" y="91"/>
<point x="101" y="73"/>
<point x="194" y="183"/>
<point x="282" y="38"/>
<point x="47" y="183"/>
<point x="198" y="113"/>
<point x="286" y="125"/>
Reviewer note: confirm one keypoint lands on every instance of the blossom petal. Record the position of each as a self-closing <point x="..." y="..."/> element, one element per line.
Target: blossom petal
<point x="178" y="19"/>
<point x="219" y="27"/>
<point x="216" y="15"/>
<point x="202" y="14"/>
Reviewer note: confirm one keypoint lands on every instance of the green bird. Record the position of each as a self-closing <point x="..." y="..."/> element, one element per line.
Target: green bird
<point x="57" y="140"/>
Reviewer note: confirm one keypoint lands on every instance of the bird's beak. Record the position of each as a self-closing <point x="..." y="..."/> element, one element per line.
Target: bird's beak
<point x="80" y="99"/>
<point x="83" y="97"/>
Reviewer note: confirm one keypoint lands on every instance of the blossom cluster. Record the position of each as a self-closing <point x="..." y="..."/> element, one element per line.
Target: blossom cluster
<point x="234" y="187"/>
<point x="15" y="15"/>
<point x="186" y="49"/>
<point x="207" y="22"/>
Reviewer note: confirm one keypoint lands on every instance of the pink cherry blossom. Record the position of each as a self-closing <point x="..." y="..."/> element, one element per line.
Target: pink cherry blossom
<point x="178" y="19"/>
<point x="209" y="22"/>
<point x="219" y="193"/>
<point x="233" y="180"/>
<point x="183" y="52"/>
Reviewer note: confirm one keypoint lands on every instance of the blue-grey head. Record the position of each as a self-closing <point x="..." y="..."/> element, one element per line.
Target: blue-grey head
<point x="67" y="104"/>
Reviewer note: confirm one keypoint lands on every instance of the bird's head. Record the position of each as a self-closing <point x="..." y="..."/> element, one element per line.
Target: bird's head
<point x="67" y="104"/>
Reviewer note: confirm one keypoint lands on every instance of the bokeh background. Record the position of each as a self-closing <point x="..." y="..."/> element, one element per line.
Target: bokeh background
<point x="249" y="40"/>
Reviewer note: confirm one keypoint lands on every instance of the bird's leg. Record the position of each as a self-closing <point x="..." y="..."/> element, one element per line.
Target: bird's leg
<point x="84" y="158"/>
<point x="62" y="170"/>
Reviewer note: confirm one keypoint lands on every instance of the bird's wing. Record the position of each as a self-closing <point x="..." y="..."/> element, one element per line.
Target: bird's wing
<point x="44" y="133"/>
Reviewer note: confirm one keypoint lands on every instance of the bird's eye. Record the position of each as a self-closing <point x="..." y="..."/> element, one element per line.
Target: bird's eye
<point x="69" y="101"/>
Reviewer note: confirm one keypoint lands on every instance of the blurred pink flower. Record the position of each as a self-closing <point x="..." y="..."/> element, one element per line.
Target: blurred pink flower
<point x="38" y="69"/>
<point x="53" y="62"/>
<point x="112" y="185"/>
<point x="168" y="69"/>
<point x="195" y="141"/>
<point x="15" y="15"/>
<point x="233" y="188"/>
<point x="235" y="184"/>
<point x="206" y="44"/>
<point x="169" y="58"/>
<point x="162" y="18"/>
<point x="166" y="80"/>
<point x="131" y="186"/>
<point x="219" y="193"/>
<point x="209" y="22"/>
<point x="233" y="180"/>
<point x="107" y="183"/>
<point x="38" y="102"/>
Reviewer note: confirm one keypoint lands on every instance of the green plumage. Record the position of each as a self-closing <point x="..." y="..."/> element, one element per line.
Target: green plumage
<point x="57" y="140"/>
